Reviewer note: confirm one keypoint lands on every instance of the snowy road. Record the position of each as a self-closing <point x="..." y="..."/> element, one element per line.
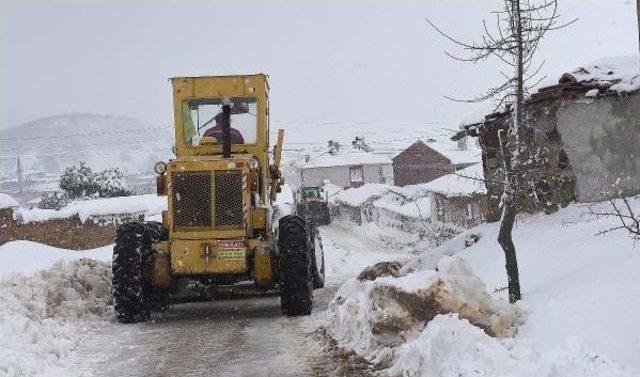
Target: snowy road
<point x="240" y="337"/>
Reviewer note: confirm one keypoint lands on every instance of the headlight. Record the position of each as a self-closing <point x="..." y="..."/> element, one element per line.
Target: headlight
<point x="160" y="167"/>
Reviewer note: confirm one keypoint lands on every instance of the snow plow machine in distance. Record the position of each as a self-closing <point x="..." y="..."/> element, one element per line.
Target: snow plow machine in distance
<point x="220" y="229"/>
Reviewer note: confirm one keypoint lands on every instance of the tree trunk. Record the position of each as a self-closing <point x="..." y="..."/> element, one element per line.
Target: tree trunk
<point x="509" y="212"/>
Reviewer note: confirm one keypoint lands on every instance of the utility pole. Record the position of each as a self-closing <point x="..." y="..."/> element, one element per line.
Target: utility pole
<point x="638" y="14"/>
<point x="19" y="173"/>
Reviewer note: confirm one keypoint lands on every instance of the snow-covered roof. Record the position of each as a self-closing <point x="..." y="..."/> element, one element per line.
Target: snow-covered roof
<point x="451" y="151"/>
<point x="618" y="74"/>
<point x="420" y="208"/>
<point x="442" y="144"/>
<point x="7" y="201"/>
<point x="148" y="204"/>
<point x="365" y="193"/>
<point x="331" y="191"/>
<point x="346" y="158"/>
<point x="464" y="182"/>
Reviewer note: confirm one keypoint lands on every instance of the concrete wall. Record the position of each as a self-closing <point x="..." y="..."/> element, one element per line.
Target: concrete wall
<point x="339" y="175"/>
<point x="601" y="138"/>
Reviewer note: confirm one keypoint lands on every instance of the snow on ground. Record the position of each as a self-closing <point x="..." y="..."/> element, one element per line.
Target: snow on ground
<point x="7" y="201"/>
<point x="27" y="257"/>
<point x="43" y="316"/>
<point x="580" y="295"/>
<point x="348" y="249"/>
<point x="149" y="205"/>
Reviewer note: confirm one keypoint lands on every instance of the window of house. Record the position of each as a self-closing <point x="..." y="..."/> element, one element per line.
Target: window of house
<point x="471" y="212"/>
<point x="381" y="177"/>
<point x="355" y="174"/>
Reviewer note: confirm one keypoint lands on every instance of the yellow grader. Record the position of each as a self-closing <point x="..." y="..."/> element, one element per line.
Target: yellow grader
<point x="221" y="228"/>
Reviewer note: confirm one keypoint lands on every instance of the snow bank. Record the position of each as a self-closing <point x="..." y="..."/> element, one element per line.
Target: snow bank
<point x="42" y="316"/>
<point x="452" y="347"/>
<point x="574" y="283"/>
<point x="27" y="257"/>
<point x="372" y="318"/>
<point x="581" y="297"/>
<point x="149" y="205"/>
<point x="619" y="74"/>
<point x="7" y="201"/>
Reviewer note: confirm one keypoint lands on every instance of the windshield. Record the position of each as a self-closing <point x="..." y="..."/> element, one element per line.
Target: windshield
<point x="311" y="192"/>
<point x="203" y="118"/>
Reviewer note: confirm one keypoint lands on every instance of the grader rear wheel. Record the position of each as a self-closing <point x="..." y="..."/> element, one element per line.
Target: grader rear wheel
<point x="296" y="275"/>
<point x="132" y="255"/>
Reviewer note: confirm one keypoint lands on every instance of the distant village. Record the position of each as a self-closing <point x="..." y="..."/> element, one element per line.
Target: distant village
<point x="586" y="150"/>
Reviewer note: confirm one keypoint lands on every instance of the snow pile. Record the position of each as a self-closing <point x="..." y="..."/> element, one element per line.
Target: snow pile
<point x="355" y="197"/>
<point x="7" y="201"/>
<point x="371" y="318"/>
<point x="27" y="257"/>
<point x="580" y="294"/>
<point x="452" y="347"/>
<point x="619" y="74"/>
<point x="43" y="315"/>
<point x="464" y="182"/>
<point x="149" y="205"/>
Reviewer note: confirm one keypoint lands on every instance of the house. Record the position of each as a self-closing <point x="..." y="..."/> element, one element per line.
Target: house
<point x="581" y="142"/>
<point x="457" y="198"/>
<point x="345" y="168"/>
<point x="423" y="162"/>
<point x="353" y="204"/>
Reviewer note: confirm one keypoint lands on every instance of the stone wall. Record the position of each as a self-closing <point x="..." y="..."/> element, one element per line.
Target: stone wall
<point x="601" y="138"/>
<point x="68" y="233"/>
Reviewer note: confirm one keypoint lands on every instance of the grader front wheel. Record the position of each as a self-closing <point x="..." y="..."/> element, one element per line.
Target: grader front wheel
<point x="296" y="275"/>
<point x="132" y="254"/>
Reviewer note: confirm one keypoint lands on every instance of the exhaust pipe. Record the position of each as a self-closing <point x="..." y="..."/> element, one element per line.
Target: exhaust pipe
<point x="226" y="131"/>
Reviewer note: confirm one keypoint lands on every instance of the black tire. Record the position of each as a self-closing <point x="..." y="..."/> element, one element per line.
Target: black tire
<point x="134" y="297"/>
<point x="296" y="278"/>
<point x="326" y="218"/>
<point x="317" y="251"/>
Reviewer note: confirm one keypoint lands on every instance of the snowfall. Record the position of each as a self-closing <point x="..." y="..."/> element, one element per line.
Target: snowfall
<point x="442" y="312"/>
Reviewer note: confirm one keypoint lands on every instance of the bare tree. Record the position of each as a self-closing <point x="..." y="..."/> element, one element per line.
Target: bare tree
<point x="627" y="219"/>
<point x="520" y="26"/>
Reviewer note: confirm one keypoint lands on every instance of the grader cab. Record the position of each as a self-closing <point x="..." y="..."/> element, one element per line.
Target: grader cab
<point x="219" y="229"/>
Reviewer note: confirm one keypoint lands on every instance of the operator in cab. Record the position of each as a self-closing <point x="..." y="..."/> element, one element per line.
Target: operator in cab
<point x="216" y="131"/>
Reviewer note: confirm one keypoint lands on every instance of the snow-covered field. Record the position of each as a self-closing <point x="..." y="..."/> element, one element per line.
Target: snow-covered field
<point x="578" y="316"/>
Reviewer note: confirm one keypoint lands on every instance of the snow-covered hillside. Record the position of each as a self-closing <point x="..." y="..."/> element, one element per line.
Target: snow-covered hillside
<point x="578" y="316"/>
<point x="52" y="143"/>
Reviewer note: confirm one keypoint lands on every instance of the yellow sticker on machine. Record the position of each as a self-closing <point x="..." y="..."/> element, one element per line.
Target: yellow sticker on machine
<point x="231" y="250"/>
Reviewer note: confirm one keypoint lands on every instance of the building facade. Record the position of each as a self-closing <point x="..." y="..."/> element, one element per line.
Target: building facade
<point x="421" y="163"/>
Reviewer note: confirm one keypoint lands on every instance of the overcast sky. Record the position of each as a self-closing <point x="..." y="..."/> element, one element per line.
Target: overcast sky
<point x="328" y="61"/>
